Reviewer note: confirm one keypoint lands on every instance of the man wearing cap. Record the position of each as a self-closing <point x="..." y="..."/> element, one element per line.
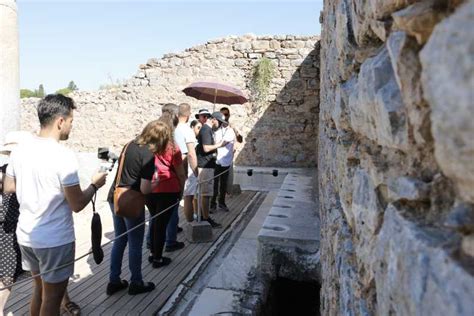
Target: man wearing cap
<point x="202" y="116"/>
<point x="48" y="190"/>
<point x="206" y="151"/>
<point x="225" y="155"/>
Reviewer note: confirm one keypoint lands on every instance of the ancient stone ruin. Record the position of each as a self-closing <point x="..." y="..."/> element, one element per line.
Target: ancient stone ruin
<point x="396" y="157"/>
<point x="382" y="108"/>
<point x="268" y="126"/>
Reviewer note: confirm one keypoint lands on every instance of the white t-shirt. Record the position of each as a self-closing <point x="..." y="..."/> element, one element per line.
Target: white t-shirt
<point x="183" y="134"/>
<point x="42" y="168"/>
<point x="225" y="154"/>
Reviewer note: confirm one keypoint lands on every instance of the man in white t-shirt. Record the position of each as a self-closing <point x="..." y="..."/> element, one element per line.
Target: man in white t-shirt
<point x="225" y="156"/>
<point x="43" y="173"/>
<point x="186" y="140"/>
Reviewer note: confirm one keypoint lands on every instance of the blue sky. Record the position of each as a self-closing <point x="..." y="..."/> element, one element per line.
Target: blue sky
<point x="98" y="42"/>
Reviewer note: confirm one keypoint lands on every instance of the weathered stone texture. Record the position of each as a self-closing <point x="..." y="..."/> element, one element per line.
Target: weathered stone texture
<point x="449" y="54"/>
<point x="396" y="157"/>
<point x="276" y="132"/>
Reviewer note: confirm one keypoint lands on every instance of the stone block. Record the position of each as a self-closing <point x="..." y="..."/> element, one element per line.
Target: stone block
<point x="376" y="107"/>
<point x="448" y="81"/>
<point x="467" y="245"/>
<point x="199" y="232"/>
<point x="343" y="42"/>
<point x="382" y="9"/>
<point x="242" y="46"/>
<point x="234" y="271"/>
<point x="381" y="29"/>
<point x="419" y="19"/>
<point x="235" y="190"/>
<point x="261" y="45"/>
<point x="403" y="52"/>
<point x="275" y="44"/>
<point x="407" y="189"/>
<point x="461" y="218"/>
<point x="219" y="302"/>
<point x="367" y="213"/>
<point x="340" y="111"/>
<point x="254" y="55"/>
<point x="292" y="221"/>
<point x="416" y="274"/>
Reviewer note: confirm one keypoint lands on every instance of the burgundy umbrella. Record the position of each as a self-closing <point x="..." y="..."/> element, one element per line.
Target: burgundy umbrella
<point x="216" y="93"/>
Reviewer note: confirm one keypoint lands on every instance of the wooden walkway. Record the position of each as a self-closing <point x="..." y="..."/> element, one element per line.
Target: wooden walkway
<point x="88" y="289"/>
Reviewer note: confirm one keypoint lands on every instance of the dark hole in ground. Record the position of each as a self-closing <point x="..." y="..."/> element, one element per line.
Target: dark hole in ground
<point x="288" y="297"/>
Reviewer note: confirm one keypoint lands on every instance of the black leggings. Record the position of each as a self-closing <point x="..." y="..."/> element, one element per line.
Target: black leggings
<point x="156" y="203"/>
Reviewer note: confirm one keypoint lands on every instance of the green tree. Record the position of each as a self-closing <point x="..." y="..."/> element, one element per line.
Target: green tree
<point x="72" y="86"/>
<point x="40" y="92"/>
<point x="26" y="93"/>
<point x="64" y="91"/>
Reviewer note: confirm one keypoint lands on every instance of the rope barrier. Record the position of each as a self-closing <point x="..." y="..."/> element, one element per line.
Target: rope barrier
<point x="108" y="242"/>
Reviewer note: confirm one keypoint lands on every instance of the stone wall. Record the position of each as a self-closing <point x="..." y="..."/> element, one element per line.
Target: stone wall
<point x="282" y="131"/>
<point x="396" y="157"/>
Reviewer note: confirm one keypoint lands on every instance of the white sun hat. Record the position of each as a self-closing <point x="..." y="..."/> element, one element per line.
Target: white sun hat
<point x="12" y="139"/>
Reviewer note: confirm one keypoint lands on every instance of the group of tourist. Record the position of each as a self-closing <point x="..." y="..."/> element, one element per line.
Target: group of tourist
<point x="171" y="159"/>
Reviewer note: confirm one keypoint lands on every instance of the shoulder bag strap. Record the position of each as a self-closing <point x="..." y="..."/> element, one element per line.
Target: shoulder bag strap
<point x="119" y="171"/>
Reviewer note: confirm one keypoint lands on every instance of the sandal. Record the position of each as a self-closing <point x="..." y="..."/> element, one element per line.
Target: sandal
<point x="71" y="308"/>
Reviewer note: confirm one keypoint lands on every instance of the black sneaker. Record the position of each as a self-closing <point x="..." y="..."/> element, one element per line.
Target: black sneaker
<point x="115" y="287"/>
<point x="223" y="207"/>
<point x="212" y="208"/>
<point x="176" y="246"/>
<point x="163" y="261"/>
<point x="138" y="288"/>
<point x="179" y="229"/>
<point x="213" y="223"/>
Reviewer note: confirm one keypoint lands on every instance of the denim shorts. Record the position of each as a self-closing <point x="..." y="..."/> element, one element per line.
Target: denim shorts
<point x="45" y="259"/>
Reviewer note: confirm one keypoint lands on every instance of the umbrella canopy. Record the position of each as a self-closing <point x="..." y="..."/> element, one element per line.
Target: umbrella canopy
<point x="216" y="93"/>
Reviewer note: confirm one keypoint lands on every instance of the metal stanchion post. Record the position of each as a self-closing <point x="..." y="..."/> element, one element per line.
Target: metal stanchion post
<point x="199" y="202"/>
<point x="200" y="231"/>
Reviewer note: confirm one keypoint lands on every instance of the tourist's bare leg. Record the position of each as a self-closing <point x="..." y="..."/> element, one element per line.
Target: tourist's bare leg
<point x="36" y="298"/>
<point x="195" y="205"/>
<point x="66" y="298"/>
<point x="3" y="298"/>
<point x="53" y="294"/>
<point x="205" y="206"/>
<point x="188" y="207"/>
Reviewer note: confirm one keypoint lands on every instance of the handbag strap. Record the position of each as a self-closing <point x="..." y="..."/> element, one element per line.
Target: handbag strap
<point x="119" y="171"/>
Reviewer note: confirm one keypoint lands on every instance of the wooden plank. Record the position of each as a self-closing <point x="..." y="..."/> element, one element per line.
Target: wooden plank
<point x="138" y="302"/>
<point x="146" y="267"/>
<point x="230" y="215"/>
<point x="89" y="291"/>
<point x="175" y="276"/>
<point x="157" y="275"/>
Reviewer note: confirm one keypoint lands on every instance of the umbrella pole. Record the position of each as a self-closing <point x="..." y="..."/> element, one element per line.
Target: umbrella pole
<point x="215" y="97"/>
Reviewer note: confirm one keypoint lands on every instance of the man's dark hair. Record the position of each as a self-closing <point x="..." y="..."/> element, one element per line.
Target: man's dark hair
<point x="52" y="106"/>
<point x="193" y="123"/>
<point x="224" y="108"/>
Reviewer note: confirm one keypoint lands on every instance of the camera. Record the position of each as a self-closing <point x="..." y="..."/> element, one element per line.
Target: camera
<point x="108" y="159"/>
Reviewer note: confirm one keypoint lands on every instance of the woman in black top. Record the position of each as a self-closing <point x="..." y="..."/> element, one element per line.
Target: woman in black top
<point x="137" y="173"/>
